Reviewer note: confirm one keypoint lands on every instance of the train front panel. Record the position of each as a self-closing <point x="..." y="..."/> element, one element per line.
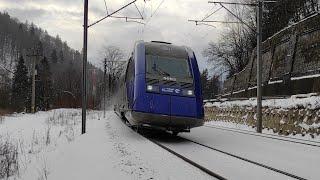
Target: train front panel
<point x="166" y="89"/>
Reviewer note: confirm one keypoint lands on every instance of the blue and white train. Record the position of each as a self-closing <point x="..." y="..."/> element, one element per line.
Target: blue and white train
<point x="160" y="88"/>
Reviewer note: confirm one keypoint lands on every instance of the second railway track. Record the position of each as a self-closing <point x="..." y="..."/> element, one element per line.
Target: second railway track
<point x="270" y="136"/>
<point x="250" y="161"/>
<point x="208" y="170"/>
<point x="193" y="163"/>
<point x="214" y="159"/>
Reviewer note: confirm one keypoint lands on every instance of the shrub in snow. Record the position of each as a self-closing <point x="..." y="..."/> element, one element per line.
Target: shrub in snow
<point x="48" y="135"/>
<point x="43" y="171"/>
<point x="8" y="158"/>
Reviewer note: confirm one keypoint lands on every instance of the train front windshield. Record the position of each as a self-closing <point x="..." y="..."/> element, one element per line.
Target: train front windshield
<point x="173" y="68"/>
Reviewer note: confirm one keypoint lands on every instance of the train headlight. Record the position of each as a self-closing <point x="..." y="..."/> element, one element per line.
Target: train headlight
<point x="188" y="92"/>
<point x="149" y="88"/>
<point x="152" y="88"/>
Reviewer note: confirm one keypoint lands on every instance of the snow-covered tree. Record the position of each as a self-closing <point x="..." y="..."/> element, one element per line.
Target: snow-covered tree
<point x="20" y="86"/>
<point x="44" y="90"/>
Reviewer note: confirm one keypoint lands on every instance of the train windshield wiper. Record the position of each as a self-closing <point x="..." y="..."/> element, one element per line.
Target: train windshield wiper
<point x="160" y="71"/>
<point x="164" y="72"/>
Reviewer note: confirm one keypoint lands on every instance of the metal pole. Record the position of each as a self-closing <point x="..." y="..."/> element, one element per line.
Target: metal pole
<point x="259" y="68"/>
<point x="84" y="66"/>
<point x="109" y="85"/>
<point x="104" y="87"/>
<point x="33" y="98"/>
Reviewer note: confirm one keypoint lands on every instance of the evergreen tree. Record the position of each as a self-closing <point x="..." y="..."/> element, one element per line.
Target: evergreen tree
<point x="61" y="56"/>
<point x="204" y="83"/>
<point x="44" y="85"/>
<point x="210" y="86"/>
<point x="54" y="57"/>
<point x="20" y="86"/>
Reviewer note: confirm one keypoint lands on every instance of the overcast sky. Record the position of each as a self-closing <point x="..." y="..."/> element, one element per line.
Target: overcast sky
<point x="168" y="23"/>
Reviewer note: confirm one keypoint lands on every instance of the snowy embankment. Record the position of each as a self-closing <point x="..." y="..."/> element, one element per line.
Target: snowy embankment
<point x="308" y="101"/>
<point x="50" y="147"/>
<point x="298" y="115"/>
<point x="35" y="135"/>
<point x="250" y="129"/>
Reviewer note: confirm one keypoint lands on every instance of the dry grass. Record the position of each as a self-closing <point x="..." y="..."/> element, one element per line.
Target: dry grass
<point x="5" y="112"/>
<point x="8" y="158"/>
<point x="43" y="171"/>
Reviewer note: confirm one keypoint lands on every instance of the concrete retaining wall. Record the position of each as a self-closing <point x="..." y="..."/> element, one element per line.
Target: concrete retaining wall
<point x="291" y="61"/>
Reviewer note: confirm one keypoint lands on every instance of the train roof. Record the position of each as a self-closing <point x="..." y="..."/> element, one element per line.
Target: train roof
<point x="165" y="49"/>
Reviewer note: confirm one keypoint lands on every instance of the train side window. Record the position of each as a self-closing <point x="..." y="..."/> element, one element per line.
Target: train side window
<point x="130" y="70"/>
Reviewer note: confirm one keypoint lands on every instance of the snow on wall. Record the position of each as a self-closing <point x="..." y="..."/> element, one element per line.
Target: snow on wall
<point x="312" y="102"/>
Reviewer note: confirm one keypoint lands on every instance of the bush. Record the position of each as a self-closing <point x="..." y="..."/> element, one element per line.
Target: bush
<point x="8" y="158"/>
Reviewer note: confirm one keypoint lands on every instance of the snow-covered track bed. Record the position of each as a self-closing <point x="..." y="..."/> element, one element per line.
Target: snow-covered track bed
<point x="193" y="163"/>
<point x="249" y="161"/>
<point x="294" y="158"/>
<point x="270" y="136"/>
<point x="217" y="163"/>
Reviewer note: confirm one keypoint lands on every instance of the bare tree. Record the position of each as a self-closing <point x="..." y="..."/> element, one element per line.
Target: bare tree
<point x="114" y="59"/>
<point x="113" y="62"/>
<point x="231" y="53"/>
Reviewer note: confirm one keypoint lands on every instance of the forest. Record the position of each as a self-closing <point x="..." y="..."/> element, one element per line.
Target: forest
<point x="58" y="69"/>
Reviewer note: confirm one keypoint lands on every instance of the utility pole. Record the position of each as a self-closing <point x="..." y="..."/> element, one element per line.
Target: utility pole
<point x="85" y="53"/>
<point x="84" y="68"/>
<point x="109" y="85"/>
<point x="259" y="68"/>
<point x="104" y="87"/>
<point x="259" y="6"/>
<point x="33" y="98"/>
<point x="34" y="58"/>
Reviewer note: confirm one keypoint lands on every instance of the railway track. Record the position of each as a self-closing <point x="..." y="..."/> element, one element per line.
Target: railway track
<point x="202" y="168"/>
<point x="206" y="169"/>
<point x="270" y="136"/>
<point x="250" y="161"/>
<point x="191" y="162"/>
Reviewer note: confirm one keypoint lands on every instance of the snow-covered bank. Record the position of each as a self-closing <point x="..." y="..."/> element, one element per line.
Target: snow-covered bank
<point x="297" y="115"/>
<point x="244" y="127"/>
<point x="297" y="101"/>
<point x="35" y="135"/>
<point x="109" y="149"/>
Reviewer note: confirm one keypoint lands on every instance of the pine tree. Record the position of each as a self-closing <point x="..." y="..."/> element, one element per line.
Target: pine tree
<point x="204" y="83"/>
<point x="61" y="56"/>
<point x="44" y="85"/>
<point x="20" y="86"/>
<point x="54" y="57"/>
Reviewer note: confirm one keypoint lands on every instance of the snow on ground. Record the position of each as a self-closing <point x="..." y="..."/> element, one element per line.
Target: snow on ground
<point x="244" y="127"/>
<point x="308" y="102"/>
<point x="227" y="166"/>
<point x="298" y="159"/>
<point x="50" y="147"/>
<point x="35" y="135"/>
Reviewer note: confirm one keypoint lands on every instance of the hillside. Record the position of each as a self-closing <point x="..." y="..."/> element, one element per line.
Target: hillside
<point x="19" y="39"/>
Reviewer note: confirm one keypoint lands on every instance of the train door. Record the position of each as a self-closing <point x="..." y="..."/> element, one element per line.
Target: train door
<point x="130" y="83"/>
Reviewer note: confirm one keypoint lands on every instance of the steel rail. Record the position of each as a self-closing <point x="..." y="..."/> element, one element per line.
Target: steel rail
<point x="209" y="172"/>
<point x="247" y="160"/>
<point x="276" y="137"/>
